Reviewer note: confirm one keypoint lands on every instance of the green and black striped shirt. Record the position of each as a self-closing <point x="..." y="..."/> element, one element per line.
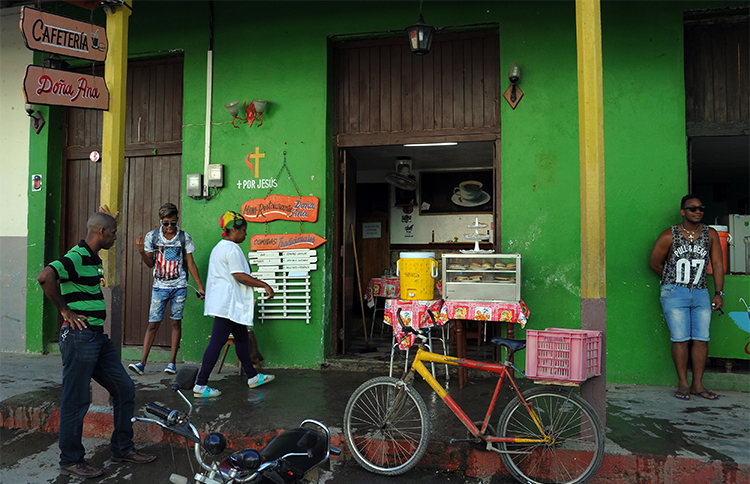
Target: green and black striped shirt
<point x="80" y="273"/>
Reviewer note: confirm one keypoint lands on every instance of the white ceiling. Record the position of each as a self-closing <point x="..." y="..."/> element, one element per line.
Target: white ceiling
<point x="716" y="159"/>
<point x="373" y="162"/>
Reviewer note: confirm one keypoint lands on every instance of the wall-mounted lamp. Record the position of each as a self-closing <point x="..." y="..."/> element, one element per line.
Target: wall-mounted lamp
<point x="514" y="93"/>
<point x="54" y="61"/>
<point x="252" y="111"/>
<point x="37" y="120"/>
<point x="420" y="35"/>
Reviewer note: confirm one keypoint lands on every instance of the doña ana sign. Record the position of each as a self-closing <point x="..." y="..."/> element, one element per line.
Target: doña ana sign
<point x="281" y="207"/>
<point x="47" y="32"/>
<point x="62" y="88"/>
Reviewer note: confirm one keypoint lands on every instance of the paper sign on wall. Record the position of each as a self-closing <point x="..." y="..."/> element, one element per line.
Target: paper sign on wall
<point x="371" y="230"/>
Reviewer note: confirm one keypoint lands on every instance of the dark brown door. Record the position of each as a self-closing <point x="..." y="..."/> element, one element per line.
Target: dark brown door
<point x="348" y="213"/>
<point x="153" y="174"/>
<point x="373" y="234"/>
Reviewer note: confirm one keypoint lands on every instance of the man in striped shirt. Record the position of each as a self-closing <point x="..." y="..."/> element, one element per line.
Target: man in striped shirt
<point x="73" y="284"/>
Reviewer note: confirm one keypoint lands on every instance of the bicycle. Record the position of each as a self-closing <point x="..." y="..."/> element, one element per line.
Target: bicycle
<point x="544" y="435"/>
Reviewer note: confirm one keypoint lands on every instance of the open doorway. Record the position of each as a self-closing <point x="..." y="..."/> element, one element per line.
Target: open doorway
<point x="387" y="220"/>
<point x="717" y="113"/>
<point x="384" y="98"/>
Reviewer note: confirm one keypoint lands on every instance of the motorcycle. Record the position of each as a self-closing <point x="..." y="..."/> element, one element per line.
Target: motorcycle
<point x="291" y="457"/>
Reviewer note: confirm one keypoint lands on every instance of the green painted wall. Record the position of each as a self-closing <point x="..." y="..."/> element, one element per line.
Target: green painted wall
<point x="646" y="176"/>
<point x="279" y="51"/>
<point x="43" y="226"/>
<point x="539" y="161"/>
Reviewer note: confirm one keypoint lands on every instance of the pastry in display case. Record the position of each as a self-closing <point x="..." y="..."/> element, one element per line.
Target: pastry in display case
<point x="482" y="277"/>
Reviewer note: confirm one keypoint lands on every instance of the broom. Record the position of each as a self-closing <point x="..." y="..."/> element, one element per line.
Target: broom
<point x="368" y="347"/>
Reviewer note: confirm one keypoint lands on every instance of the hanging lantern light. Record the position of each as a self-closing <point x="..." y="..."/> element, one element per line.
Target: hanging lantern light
<point x="420" y="35"/>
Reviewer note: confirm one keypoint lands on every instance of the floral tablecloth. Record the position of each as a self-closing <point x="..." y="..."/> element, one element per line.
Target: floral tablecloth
<point x="388" y="287"/>
<point x="413" y="313"/>
<point x="484" y="311"/>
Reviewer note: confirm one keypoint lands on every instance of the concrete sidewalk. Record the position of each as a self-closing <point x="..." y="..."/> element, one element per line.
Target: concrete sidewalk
<point x="651" y="436"/>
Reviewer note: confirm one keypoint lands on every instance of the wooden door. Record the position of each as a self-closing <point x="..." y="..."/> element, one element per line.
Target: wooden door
<point x="348" y="214"/>
<point x="382" y="87"/>
<point x="717" y="85"/>
<point x="373" y="246"/>
<point x="153" y="176"/>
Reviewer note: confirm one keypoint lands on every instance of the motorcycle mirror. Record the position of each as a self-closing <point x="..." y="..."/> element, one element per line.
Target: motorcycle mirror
<point x="215" y="443"/>
<point x="185" y="378"/>
<point x="247" y="460"/>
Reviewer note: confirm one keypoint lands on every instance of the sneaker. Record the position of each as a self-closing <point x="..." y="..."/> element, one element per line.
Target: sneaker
<point x="136" y="367"/>
<point x="81" y="469"/>
<point x="204" y="391"/>
<point x="136" y="457"/>
<point x="259" y="380"/>
<point x="170" y="369"/>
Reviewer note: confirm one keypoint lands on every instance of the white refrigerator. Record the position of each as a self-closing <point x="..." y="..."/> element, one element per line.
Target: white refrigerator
<point x="739" y="245"/>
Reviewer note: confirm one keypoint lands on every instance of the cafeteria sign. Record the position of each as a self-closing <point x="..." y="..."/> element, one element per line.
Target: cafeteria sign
<point x="285" y="241"/>
<point x="281" y="207"/>
<point x="55" y="34"/>
<point x="62" y="88"/>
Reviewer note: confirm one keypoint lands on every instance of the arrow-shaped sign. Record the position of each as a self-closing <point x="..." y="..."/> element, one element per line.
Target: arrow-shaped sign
<point x="285" y="241"/>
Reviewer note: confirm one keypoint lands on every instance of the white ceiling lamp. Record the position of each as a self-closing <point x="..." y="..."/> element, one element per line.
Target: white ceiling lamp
<point x="412" y="145"/>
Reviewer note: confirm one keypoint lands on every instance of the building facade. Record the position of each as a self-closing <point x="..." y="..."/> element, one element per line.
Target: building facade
<point x="344" y="94"/>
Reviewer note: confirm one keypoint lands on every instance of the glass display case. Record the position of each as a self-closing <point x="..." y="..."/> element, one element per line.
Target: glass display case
<point x="482" y="277"/>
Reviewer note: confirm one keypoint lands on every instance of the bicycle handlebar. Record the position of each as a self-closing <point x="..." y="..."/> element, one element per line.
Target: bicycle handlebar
<point x="419" y="333"/>
<point x="161" y="412"/>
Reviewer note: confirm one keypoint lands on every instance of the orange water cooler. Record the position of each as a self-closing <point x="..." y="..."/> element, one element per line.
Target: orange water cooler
<point x="724" y="239"/>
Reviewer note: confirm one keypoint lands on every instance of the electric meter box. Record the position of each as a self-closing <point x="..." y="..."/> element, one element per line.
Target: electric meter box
<point x="194" y="182"/>
<point x="215" y="175"/>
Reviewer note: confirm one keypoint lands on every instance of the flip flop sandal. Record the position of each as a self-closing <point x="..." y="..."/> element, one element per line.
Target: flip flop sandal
<point x="707" y="395"/>
<point x="262" y="379"/>
<point x="682" y="395"/>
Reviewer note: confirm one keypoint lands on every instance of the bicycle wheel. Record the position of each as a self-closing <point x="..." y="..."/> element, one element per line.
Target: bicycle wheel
<point x="386" y="426"/>
<point x="577" y="447"/>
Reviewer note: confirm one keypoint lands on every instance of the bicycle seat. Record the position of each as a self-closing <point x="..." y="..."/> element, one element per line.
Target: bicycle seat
<point x="512" y="344"/>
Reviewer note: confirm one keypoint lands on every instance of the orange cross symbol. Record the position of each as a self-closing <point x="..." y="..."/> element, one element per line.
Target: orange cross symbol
<point x="257" y="155"/>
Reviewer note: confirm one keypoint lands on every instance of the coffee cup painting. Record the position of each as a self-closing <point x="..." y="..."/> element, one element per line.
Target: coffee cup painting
<point x="462" y="191"/>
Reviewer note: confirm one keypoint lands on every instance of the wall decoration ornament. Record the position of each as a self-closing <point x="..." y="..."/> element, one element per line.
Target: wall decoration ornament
<point x="254" y="166"/>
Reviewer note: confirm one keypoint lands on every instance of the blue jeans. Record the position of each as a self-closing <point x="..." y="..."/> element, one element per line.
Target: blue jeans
<point x="159" y="299"/>
<point x="688" y="312"/>
<point x="87" y="354"/>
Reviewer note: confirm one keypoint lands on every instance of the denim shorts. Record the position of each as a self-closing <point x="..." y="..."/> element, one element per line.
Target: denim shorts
<point x="159" y="299"/>
<point x="688" y="312"/>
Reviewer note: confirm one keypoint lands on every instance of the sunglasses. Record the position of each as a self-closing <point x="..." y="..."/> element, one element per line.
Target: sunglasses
<point x="695" y="208"/>
<point x="167" y="223"/>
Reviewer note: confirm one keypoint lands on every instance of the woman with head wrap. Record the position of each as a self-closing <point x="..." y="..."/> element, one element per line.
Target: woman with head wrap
<point x="230" y="301"/>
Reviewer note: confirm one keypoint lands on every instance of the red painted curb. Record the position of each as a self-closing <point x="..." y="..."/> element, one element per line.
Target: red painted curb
<point x="615" y="469"/>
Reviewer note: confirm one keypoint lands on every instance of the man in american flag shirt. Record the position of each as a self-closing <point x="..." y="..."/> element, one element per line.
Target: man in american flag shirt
<point x="169" y="251"/>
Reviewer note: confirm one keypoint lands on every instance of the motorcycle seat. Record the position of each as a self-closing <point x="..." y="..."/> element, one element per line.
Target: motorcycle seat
<point x="298" y="440"/>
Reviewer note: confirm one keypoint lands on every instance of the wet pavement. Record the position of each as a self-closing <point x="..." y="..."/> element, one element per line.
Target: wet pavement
<point x="32" y="458"/>
<point x="651" y="436"/>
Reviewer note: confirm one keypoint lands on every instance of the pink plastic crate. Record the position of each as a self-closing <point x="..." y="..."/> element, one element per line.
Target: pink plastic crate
<point x="569" y="355"/>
